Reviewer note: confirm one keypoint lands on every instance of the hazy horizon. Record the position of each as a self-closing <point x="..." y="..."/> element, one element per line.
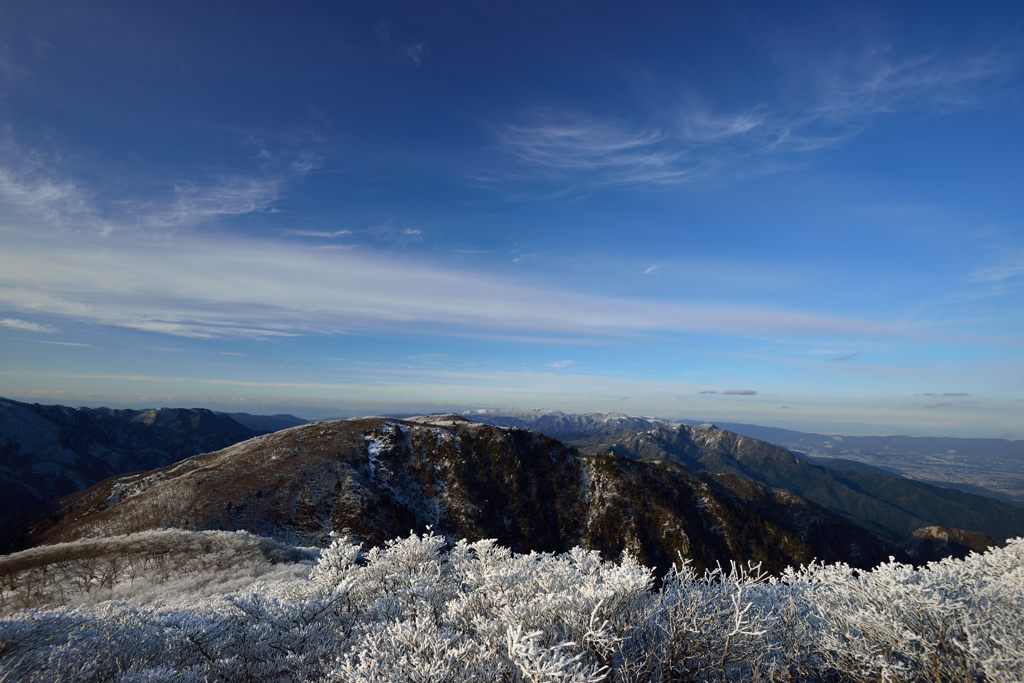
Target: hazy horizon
<point x="799" y="216"/>
<point x="355" y="409"/>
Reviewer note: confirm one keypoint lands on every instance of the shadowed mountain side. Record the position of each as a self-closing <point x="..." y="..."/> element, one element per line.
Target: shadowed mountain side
<point x="378" y="478"/>
<point x="263" y="424"/>
<point x="50" y="451"/>
<point x="988" y="467"/>
<point x="880" y="501"/>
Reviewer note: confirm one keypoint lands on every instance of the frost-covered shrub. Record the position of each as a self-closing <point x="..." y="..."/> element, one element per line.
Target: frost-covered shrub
<point x="419" y="609"/>
<point x="160" y="566"/>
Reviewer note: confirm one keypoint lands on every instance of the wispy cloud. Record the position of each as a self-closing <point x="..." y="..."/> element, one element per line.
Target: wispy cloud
<point x="27" y="326"/>
<point x="33" y="197"/>
<point x="323" y="234"/>
<point x="948" y="394"/>
<point x="561" y="364"/>
<point x="556" y="145"/>
<point x="250" y="288"/>
<point x="26" y="191"/>
<point x="211" y="285"/>
<point x="410" y="52"/>
<point x="699" y="143"/>
<point x="416" y="53"/>
<point x="651" y="270"/>
<point x="380" y="30"/>
<point x="701" y="126"/>
<point x="732" y="392"/>
<point x="62" y="343"/>
<point x="875" y="84"/>
<point x="844" y="358"/>
<point x="1009" y="267"/>
<point x="10" y="70"/>
<point x="194" y="203"/>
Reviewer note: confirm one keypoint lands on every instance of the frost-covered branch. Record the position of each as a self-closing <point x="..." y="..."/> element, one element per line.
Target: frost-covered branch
<point x="419" y="609"/>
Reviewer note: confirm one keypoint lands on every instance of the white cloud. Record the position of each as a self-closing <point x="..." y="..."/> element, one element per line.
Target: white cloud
<point x="699" y="143"/>
<point x="27" y="192"/>
<point x="60" y="343"/>
<point x="197" y="283"/>
<point x="701" y="126"/>
<point x="874" y="85"/>
<point x="731" y="392"/>
<point x="325" y="234"/>
<point x="416" y="53"/>
<point x="382" y="33"/>
<point x="561" y="364"/>
<point x="1010" y="267"/>
<point x="651" y="270"/>
<point x="193" y="202"/>
<point x="560" y="144"/>
<point x="10" y="70"/>
<point x="34" y="199"/>
<point x="212" y="287"/>
<point x="306" y="163"/>
<point x="26" y="326"/>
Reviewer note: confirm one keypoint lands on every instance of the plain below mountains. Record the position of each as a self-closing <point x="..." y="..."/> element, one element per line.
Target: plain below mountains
<point x="50" y="451"/>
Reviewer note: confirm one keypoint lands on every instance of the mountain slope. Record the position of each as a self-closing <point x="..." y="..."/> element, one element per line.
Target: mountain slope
<point x="50" y="451"/>
<point x="263" y="424"/>
<point x="990" y="467"/>
<point x="885" y="503"/>
<point x="378" y="478"/>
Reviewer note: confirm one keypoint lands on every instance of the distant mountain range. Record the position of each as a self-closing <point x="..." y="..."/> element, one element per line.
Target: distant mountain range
<point x="881" y="500"/>
<point x="618" y="482"/>
<point x="565" y="426"/>
<point x="988" y="467"/>
<point x="50" y="451"/>
<point x="264" y="424"/>
<point x="377" y="478"/>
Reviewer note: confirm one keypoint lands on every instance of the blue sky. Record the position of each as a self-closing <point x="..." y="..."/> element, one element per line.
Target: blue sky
<point x="795" y="215"/>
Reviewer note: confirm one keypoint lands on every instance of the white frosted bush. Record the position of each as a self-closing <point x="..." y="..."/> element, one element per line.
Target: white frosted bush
<point x="418" y="609"/>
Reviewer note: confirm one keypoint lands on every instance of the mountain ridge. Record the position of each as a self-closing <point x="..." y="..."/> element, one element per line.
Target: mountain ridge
<point x="881" y="501"/>
<point x="48" y="451"/>
<point x="991" y="467"/>
<point x="375" y="478"/>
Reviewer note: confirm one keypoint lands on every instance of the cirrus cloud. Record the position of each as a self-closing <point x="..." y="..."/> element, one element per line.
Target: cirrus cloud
<point x="26" y="326"/>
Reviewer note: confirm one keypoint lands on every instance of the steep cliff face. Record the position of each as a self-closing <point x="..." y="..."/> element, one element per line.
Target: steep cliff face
<point x="378" y="479"/>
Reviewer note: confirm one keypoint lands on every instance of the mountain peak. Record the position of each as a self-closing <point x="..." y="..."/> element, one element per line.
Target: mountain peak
<point x="376" y="478"/>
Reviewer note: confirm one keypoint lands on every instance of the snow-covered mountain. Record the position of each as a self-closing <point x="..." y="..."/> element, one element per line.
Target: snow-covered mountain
<point x="377" y="478"/>
<point x="564" y="426"/>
